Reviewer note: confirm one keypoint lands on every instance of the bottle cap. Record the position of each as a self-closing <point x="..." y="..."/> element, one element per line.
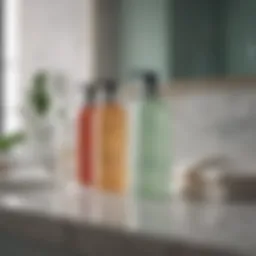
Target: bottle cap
<point x="150" y="80"/>
<point x="110" y="87"/>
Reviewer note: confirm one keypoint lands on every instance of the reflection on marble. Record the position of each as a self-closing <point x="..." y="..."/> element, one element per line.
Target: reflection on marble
<point x="227" y="227"/>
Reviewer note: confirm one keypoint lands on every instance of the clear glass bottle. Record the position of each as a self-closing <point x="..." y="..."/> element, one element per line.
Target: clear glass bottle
<point x="64" y="129"/>
<point x="153" y="162"/>
<point x="37" y="114"/>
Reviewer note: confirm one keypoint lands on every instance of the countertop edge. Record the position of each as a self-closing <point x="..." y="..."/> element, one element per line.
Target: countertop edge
<point x="83" y="237"/>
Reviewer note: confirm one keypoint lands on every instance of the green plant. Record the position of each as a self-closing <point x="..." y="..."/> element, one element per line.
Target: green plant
<point x="9" y="141"/>
<point x="39" y="96"/>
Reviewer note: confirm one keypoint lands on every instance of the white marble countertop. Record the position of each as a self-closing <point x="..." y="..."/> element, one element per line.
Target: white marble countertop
<point x="91" y="222"/>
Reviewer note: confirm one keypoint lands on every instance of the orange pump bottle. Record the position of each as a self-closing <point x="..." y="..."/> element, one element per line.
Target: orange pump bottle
<point x="85" y="140"/>
<point x="113" y="143"/>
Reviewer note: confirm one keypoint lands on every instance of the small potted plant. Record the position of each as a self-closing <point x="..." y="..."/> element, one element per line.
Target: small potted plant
<point x="39" y="96"/>
<point x="8" y="142"/>
<point x="39" y="123"/>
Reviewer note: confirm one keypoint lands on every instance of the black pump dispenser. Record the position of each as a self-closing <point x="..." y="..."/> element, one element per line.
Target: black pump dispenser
<point x="110" y="87"/>
<point x="150" y="80"/>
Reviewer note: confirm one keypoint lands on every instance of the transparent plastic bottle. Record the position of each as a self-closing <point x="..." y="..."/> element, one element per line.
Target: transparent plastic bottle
<point x="86" y="139"/>
<point x="112" y="143"/>
<point x="153" y="168"/>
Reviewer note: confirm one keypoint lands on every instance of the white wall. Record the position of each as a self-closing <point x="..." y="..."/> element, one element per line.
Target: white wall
<point x="58" y="34"/>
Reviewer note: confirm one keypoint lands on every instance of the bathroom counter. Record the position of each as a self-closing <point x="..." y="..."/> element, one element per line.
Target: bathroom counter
<point x="89" y="223"/>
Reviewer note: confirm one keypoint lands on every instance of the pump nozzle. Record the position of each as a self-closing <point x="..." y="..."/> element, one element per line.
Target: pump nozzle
<point x="150" y="80"/>
<point x="110" y="86"/>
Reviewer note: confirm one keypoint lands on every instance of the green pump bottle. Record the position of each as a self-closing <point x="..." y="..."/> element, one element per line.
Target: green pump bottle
<point x="153" y="163"/>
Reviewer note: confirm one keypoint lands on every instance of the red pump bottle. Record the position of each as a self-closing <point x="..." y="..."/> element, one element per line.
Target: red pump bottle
<point x="85" y="139"/>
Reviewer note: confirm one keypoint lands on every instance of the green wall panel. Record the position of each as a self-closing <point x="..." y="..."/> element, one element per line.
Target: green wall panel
<point x="145" y="37"/>
<point x="197" y="38"/>
<point x="241" y="37"/>
<point x="188" y="39"/>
